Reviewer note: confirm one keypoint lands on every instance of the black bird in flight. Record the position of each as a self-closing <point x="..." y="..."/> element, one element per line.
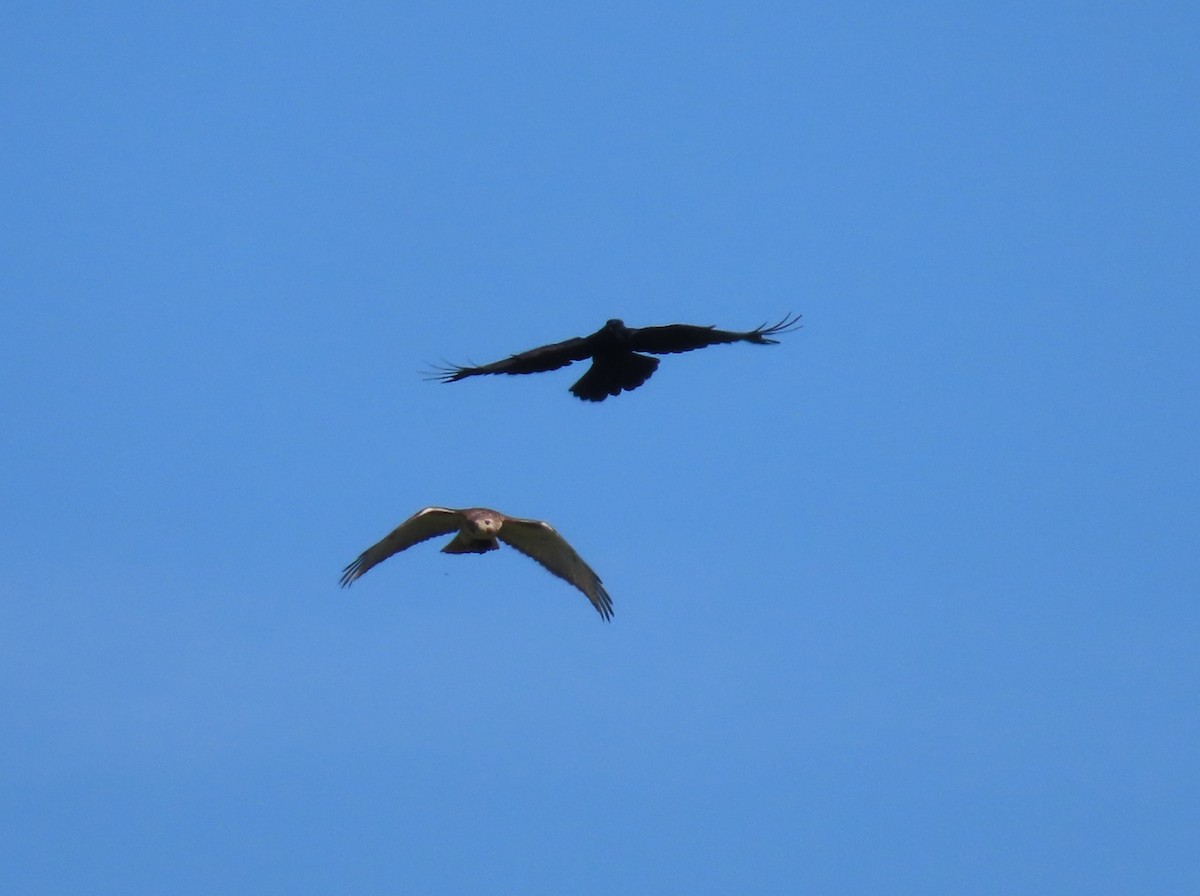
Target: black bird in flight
<point x="614" y="349"/>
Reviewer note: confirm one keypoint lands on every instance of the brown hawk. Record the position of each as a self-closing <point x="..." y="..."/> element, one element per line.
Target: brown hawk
<point x="477" y="531"/>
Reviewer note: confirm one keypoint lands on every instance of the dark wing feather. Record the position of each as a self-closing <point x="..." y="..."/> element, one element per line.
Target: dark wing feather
<point x="536" y="360"/>
<point x="539" y="540"/>
<point x="422" y="525"/>
<point x="686" y="337"/>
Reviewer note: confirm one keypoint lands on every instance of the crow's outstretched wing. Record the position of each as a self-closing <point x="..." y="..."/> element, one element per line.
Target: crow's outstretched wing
<point x="539" y="540"/>
<point x="536" y="360"/>
<point x="686" y="337"/>
<point x="422" y="525"/>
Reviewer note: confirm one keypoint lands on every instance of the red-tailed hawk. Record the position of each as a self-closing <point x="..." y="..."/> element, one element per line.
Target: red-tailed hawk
<point x="616" y="364"/>
<point x="477" y="531"/>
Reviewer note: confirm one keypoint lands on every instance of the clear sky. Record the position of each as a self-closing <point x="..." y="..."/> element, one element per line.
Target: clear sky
<point x="906" y="604"/>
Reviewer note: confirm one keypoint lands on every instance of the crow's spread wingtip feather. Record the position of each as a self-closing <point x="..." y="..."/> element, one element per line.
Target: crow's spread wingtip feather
<point x="444" y="373"/>
<point x="789" y="324"/>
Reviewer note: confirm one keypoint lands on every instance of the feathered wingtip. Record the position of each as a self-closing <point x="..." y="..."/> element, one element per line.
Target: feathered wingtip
<point x="444" y="372"/>
<point x="603" y="603"/>
<point x="352" y="572"/>
<point x="789" y="324"/>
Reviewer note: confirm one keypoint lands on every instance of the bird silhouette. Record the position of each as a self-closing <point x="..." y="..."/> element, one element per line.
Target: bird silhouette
<point x="617" y="365"/>
<point x="478" y="529"/>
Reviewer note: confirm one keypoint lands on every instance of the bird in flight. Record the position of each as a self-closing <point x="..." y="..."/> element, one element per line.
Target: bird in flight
<point x="477" y="531"/>
<point x="614" y="350"/>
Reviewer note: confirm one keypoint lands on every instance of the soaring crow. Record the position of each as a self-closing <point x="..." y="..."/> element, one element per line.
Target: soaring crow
<point x="478" y="528"/>
<point x="616" y="364"/>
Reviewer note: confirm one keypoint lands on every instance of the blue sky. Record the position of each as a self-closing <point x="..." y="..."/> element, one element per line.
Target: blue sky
<point x="905" y="604"/>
